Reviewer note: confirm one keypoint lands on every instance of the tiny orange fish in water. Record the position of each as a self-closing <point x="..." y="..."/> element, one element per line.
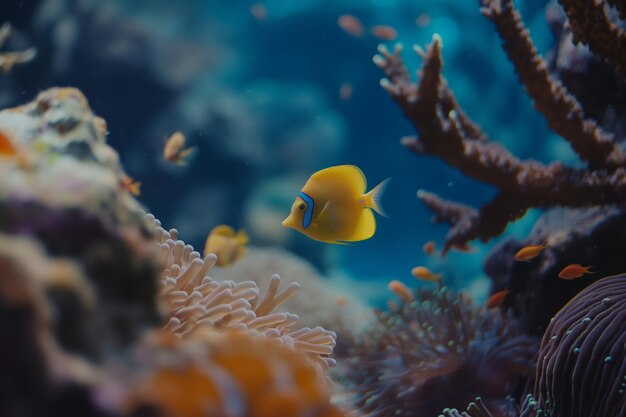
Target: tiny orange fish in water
<point x="573" y="271"/>
<point x="528" y="253"/>
<point x="351" y="25"/>
<point x="421" y="272"/>
<point x="131" y="185"/>
<point x="345" y="91"/>
<point x="258" y="11"/>
<point x="174" y="152"/>
<point x="422" y="20"/>
<point x="384" y="32"/>
<point x="6" y="146"/>
<point x="429" y="247"/>
<point x="401" y="290"/>
<point x="227" y="244"/>
<point x="333" y="206"/>
<point x="497" y="299"/>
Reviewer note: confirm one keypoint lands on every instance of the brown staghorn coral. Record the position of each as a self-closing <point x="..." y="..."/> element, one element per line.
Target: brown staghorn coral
<point x="446" y="131"/>
<point x="593" y="26"/>
<point x="196" y="303"/>
<point x="226" y="374"/>
<point x="437" y="351"/>
<point x="581" y="370"/>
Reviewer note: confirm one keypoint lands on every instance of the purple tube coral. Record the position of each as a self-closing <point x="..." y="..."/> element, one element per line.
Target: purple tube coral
<point x="436" y="352"/>
<point x="581" y="370"/>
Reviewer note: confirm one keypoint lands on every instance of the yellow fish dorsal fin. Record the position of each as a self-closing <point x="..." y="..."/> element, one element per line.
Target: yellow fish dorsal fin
<point x="349" y="175"/>
<point x="372" y="199"/>
<point x="223" y="230"/>
<point x="366" y="227"/>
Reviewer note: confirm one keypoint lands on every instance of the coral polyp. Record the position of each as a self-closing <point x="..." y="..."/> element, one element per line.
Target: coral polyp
<point x="436" y="352"/>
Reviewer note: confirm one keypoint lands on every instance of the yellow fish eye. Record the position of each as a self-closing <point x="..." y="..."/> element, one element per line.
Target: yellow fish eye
<point x="302" y="206"/>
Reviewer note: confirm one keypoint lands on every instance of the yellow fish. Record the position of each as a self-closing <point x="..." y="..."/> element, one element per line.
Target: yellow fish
<point x="333" y="207"/>
<point x="226" y="244"/>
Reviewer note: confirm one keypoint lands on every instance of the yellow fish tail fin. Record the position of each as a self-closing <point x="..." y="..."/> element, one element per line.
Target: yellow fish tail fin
<point x="365" y="228"/>
<point x="372" y="199"/>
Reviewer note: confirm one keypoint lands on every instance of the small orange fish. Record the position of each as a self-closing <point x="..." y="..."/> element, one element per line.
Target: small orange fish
<point x="174" y="152"/>
<point x="422" y="20"/>
<point x="528" y="253"/>
<point x="429" y="247"/>
<point x="226" y="244"/>
<point x="573" y="271"/>
<point x="131" y="185"/>
<point x="401" y="291"/>
<point x="351" y="25"/>
<point x="497" y="299"/>
<point x="6" y="146"/>
<point x="384" y="32"/>
<point x="258" y="11"/>
<point x="465" y="248"/>
<point x="421" y="272"/>
<point x="345" y="91"/>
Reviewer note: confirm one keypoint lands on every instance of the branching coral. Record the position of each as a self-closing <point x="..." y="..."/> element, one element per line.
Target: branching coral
<point x="592" y="26"/>
<point x="9" y="59"/>
<point x="436" y="352"/>
<point x="196" y="303"/>
<point x="581" y="370"/>
<point x="446" y="131"/>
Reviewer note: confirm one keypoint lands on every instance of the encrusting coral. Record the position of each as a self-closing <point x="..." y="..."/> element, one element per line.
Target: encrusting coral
<point x="447" y="132"/>
<point x="437" y="351"/>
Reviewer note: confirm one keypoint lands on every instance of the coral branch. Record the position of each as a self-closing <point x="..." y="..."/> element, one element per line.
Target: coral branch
<point x="561" y="110"/>
<point x="446" y="132"/>
<point x="591" y="26"/>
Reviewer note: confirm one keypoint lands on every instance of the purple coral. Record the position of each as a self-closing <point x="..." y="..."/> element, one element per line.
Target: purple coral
<point x="438" y="351"/>
<point x="581" y="370"/>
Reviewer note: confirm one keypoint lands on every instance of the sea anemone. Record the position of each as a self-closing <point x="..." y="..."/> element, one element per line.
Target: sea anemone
<point x="195" y="303"/>
<point x="435" y="352"/>
<point x="581" y="370"/>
